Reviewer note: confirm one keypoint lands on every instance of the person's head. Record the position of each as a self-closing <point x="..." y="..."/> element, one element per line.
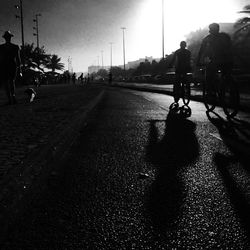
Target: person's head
<point x="183" y="44"/>
<point x="7" y="36"/>
<point x="214" y="28"/>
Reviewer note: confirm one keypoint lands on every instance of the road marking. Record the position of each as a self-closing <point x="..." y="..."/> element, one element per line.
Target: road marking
<point x="216" y="135"/>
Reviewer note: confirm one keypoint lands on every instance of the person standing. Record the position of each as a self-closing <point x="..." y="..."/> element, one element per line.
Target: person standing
<point x="10" y="65"/>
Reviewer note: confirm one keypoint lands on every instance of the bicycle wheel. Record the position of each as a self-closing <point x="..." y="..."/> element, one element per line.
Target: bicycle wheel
<point x="185" y="111"/>
<point x="230" y="97"/>
<point x="186" y="93"/>
<point x="174" y="107"/>
<point x="209" y="97"/>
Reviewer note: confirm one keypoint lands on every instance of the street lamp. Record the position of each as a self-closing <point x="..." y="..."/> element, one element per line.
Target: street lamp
<point x="20" y="6"/>
<point x="163" y="27"/>
<point x="102" y="57"/>
<point x="98" y="63"/>
<point x="111" y="55"/>
<point x="36" y="29"/>
<point x="123" y="39"/>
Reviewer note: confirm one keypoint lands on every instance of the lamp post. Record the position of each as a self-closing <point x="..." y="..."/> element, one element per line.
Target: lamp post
<point x="163" y="27"/>
<point x="36" y="28"/>
<point x="123" y="42"/>
<point x="111" y="55"/>
<point x="102" y="57"/>
<point x="20" y="6"/>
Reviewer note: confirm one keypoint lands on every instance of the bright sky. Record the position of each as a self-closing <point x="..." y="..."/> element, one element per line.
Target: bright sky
<point x="82" y="29"/>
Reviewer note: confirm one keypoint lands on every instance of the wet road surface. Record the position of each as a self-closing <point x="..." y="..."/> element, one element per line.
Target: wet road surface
<point x="139" y="177"/>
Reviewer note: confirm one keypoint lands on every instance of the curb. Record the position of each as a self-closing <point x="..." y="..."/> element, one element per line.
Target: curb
<point x="18" y="186"/>
<point x="168" y="92"/>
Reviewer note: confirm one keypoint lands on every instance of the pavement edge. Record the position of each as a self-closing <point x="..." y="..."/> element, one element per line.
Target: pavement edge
<point x="16" y="189"/>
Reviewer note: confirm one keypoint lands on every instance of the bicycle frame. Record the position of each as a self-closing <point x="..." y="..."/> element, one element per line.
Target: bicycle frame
<point x="222" y="92"/>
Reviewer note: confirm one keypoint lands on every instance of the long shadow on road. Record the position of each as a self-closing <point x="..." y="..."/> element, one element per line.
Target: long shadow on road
<point x="228" y="130"/>
<point x="177" y="148"/>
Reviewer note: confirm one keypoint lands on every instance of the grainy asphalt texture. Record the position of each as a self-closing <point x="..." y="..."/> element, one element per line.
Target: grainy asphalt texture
<point x="139" y="177"/>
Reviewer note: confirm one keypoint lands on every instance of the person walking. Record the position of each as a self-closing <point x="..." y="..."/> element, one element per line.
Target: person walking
<point x="10" y="65"/>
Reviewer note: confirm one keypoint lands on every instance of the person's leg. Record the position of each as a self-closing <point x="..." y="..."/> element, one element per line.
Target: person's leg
<point x="211" y="77"/>
<point x="12" y="90"/>
<point x="184" y="78"/>
<point x="177" y="87"/>
<point x="7" y="90"/>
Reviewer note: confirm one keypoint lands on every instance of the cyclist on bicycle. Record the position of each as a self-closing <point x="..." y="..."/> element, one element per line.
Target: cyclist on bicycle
<point x="216" y="54"/>
<point x="181" y="58"/>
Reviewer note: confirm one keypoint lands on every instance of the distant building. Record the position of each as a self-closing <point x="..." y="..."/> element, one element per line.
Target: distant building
<point x="94" y="69"/>
<point x="134" y="64"/>
<point x="129" y="65"/>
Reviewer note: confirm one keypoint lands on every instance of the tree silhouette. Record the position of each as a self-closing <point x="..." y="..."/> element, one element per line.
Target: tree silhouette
<point x="54" y="63"/>
<point x="36" y="60"/>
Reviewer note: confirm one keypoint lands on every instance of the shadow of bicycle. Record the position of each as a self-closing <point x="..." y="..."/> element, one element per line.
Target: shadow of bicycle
<point x="177" y="148"/>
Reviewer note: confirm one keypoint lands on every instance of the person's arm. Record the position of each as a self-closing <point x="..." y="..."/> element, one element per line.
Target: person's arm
<point x="18" y="61"/>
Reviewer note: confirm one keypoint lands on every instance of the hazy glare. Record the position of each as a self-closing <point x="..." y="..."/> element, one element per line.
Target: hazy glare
<point x="82" y="29"/>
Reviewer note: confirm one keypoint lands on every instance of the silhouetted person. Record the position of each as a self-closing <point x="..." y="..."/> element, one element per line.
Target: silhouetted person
<point x="10" y="64"/>
<point x="110" y="78"/>
<point x="88" y="78"/>
<point x="81" y="78"/>
<point x="74" y="78"/>
<point x="216" y="53"/>
<point x="68" y="78"/>
<point x="181" y="59"/>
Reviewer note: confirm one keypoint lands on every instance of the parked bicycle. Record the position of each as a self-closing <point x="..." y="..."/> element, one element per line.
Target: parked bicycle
<point x="223" y="92"/>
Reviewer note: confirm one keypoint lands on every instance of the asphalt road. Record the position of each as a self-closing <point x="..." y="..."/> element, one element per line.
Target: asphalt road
<point x="139" y="177"/>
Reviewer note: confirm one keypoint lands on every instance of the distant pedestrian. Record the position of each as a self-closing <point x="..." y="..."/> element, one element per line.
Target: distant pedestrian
<point x="74" y="78"/>
<point x="88" y="78"/>
<point x="10" y="65"/>
<point x="110" y="77"/>
<point x="81" y="78"/>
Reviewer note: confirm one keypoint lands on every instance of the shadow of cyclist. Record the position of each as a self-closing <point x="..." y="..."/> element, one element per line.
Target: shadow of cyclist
<point x="235" y="134"/>
<point x="226" y="164"/>
<point x="175" y="150"/>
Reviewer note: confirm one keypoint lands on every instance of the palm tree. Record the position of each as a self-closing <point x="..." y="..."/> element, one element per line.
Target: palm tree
<point x="34" y="57"/>
<point x="40" y="58"/>
<point x="54" y="63"/>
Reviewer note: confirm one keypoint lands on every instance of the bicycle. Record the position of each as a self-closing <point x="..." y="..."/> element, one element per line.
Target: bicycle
<point x="224" y="92"/>
<point x="182" y="90"/>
